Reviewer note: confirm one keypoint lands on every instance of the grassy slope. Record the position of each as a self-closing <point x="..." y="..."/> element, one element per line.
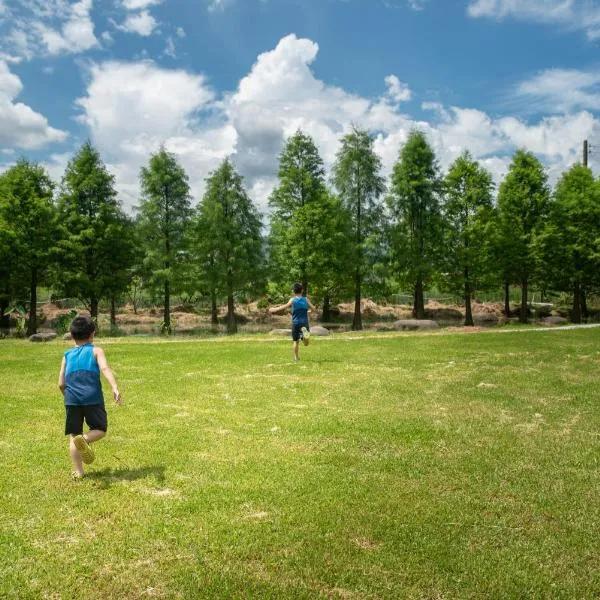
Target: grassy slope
<point x="401" y="466"/>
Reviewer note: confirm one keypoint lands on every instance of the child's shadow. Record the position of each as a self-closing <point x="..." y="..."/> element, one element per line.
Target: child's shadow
<point x="107" y="477"/>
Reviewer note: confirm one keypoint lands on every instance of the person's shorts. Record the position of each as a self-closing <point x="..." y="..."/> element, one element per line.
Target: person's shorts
<point x="94" y="415"/>
<point x="297" y="331"/>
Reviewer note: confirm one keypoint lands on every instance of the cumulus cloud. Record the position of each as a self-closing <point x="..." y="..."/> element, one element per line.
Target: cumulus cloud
<point x="139" y="4"/>
<point x="142" y="23"/>
<point x="20" y="125"/>
<point x="574" y="14"/>
<point x="76" y="34"/>
<point x="133" y="108"/>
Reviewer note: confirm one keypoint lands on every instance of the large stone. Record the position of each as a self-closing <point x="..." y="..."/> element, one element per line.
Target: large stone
<point x="67" y="336"/>
<point x="281" y="332"/>
<point x="415" y="325"/>
<point x="554" y="321"/>
<point x="42" y="337"/>
<point x="319" y="331"/>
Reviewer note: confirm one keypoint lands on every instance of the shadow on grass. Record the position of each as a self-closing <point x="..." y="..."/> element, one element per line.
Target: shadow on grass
<point x="107" y="477"/>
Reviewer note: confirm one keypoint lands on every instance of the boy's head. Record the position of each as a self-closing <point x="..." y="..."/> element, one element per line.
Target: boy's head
<point x="82" y="328"/>
<point x="297" y="288"/>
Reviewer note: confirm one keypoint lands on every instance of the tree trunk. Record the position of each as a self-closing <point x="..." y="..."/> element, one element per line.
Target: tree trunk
<point x="113" y="313"/>
<point x="357" y="320"/>
<point x="94" y="308"/>
<point x="32" y="323"/>
<point x="468" y="314"/>
<point x="584" y="307"/>
<point x="167" y="311"/>
<point x="523" y="317"/>
<point x="419" y="304"/>
<point x="576" y="312"/>
<point x="214" y="313"/>
<point x="231" y="322"/>
<point x="326" y="317"/>
<point x="4" y="318"/>
<point x="304" y="283"/>
<point x="507" y="299"/>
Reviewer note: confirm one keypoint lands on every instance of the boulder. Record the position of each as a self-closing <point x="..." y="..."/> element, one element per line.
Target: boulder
<point x="319" y="331"/>
<point x="42" y="337"/>
<point x="414" y="325"/>
<point x="485" y="318"/>
<point x="554" y="321"/>
<point x="281" y="332"/>
<point x="67" y="336"/>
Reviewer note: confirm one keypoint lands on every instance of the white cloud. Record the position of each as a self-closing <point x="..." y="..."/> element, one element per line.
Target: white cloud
<point x="397" y="91"/>
<point x="142" y="23"/>
<point x="76" y="34"/>
<point x="107" y="37"/>
<point x="170" y="48"/>
<point x="573" y="14"/>
<point x="562" y="90"/>
<point x="131" y="108"/>
<point x="20" y="125"/>
<point x="138" y="4"/>
<point x="180" y="32"/>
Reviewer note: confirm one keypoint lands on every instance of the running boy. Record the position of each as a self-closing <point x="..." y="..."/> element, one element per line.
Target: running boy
<point x="300" y="328"/>
<point x="79" y="381"/>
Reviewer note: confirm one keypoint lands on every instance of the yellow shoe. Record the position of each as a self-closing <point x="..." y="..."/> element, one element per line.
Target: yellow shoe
<point x="87" y="454"/>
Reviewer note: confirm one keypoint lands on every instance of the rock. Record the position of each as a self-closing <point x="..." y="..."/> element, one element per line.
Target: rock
<point x="67" y="336"/>
<point x="414" y="325"/>
<point x="42" y="337"/>
<point x="281" y="332"/>
<point x="554" y="321"/>
<point x="319" y="331"/>
<point x="485" y="318"/>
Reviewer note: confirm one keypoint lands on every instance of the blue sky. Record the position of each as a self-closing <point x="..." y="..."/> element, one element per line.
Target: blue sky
<point x="217" y="78"/>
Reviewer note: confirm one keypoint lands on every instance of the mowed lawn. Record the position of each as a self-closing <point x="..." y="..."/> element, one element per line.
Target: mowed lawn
<point x="429" y="466"/>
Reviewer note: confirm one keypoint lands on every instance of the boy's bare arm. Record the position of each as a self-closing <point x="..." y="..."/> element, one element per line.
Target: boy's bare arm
<point x="103" y="366"/>
<point x="277" y="309"/>
<point x="312" y="306"/>
<point x="61" y="376"/>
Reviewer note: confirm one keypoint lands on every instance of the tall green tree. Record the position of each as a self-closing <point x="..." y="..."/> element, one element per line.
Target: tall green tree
<point x="523" y="206"/>
<point x="356" y="175"/>
<point x="93" y="242"/>
<point x="467" y="211"/>
<point x="164" y="216"/>
<point x="416" y="232"/>
<point x="229" y="229"/>
<point x="295" y="202"/>
<point x="570" y="243"/>
<point x="28" y="212"/>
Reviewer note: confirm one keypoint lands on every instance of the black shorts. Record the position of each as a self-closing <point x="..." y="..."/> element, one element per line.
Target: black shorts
<point x="297" y="331"/>
<point x="94" y="415"/>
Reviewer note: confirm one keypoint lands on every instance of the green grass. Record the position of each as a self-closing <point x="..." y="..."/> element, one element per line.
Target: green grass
<point x="431" y="466"/>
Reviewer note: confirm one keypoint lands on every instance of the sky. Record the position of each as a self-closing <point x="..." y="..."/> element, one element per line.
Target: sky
<point x="211" y="79"/>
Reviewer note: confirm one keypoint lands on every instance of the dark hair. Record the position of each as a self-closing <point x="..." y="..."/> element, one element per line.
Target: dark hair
<point x="297" y="288"/>
<point x="82" y="328"/>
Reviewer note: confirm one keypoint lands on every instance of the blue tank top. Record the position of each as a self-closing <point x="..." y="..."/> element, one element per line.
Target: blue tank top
<point x="299" y="311"/>
<point x="82" y="377"/>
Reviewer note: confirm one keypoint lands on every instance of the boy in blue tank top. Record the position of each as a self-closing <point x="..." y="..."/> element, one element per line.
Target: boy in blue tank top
<point x="79" y="381"/>
<point x="300" y="327"/>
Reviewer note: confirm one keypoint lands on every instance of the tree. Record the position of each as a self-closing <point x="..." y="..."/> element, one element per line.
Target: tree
<point x="28" y="211"/>
<point x="94" y="250"/>
<point x="228" y="227"/>
<point x="467" y="212"/>
<point x="523" y="206"/>
<point x="415" y="207"/>
<point x="570" y="243"/>
<point x="164" y="216"/>
<point x="360" y="186"/>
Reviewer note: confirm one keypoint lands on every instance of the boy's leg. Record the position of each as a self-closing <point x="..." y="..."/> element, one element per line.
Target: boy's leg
<point x="93" y="435"/>
<point x="75" y="456"/>
<point x="296" y="347"/>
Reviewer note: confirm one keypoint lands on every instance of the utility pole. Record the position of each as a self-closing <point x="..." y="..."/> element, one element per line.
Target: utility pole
<point x="586" y="153"/>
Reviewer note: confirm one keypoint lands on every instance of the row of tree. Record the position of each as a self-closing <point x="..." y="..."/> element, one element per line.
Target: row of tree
<point x="421" y="228"/>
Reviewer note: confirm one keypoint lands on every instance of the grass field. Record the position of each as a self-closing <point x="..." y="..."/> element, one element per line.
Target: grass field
<point x="426" y="466"/>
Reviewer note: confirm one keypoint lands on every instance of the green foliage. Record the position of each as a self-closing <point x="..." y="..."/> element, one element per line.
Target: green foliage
<point x="63" y="322"/>
<point x="163" y="219"/>
<point x="522" y="208"/>
<point x="96" y="248"/>
<point x="356" y="175"/>
<point x="467" y="212"/>
<point x="227" y="237"/>
<point x="416" y="229"/>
